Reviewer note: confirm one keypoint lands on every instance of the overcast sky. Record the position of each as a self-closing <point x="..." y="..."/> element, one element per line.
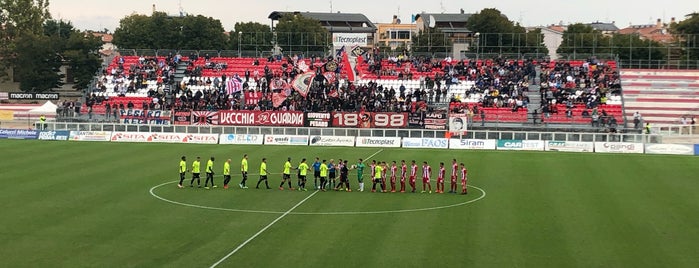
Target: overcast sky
<point x="99" y="14"/>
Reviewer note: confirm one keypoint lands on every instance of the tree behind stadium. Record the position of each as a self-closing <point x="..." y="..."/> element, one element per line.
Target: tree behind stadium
<point x="296" y="33"/>
<point x="162" y="31"/>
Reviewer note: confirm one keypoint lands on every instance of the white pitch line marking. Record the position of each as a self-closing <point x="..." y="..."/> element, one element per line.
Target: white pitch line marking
<point x="273" y="222"/>
<point x="316" y="213"/>
<point x="263" y="229"/>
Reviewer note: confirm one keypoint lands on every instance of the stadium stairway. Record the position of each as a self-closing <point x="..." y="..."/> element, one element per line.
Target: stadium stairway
<point x="180" y="71"/>
<point x="534" y="95"/>
<point x="661" y="96"/>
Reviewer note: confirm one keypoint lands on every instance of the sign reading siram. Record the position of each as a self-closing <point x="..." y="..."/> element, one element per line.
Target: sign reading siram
<point x="472" y="144"/>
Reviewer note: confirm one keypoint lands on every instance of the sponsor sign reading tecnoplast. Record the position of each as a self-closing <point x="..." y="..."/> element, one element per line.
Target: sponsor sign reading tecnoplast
<point x="286" y="140"/>
<point x="393" y="142"/>
<point x="678" y="149"/>
<point x="472" y="144"/>
<point x="570" y="146"/>
<point x="619" y="147"/>
<point x="332" y="141"/>
<point x="257" y="139"/>
<point x="425" y="143"/>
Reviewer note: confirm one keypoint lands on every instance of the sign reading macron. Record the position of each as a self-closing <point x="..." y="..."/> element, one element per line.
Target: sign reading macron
<point x="349" y="39"/>
<point x="34" y="96"/>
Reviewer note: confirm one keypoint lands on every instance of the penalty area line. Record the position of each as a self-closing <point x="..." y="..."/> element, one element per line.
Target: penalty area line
<point x="273" y="222"/>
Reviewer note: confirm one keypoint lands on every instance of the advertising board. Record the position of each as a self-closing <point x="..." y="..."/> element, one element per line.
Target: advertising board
<point x="619" y="147"/>
<point x="90" y="135"/>
<point x="347" y="141"/>
<point x="437" y="143"/>
<point x="21" y="134"/>
<point x="472" y="144"/>
<point x="391" y="142"/>
<point x="570" y="146"/>
<point x="256" y="139"/>
<point x="285" y="140"/>
<point x="677" y="149"/>
<point x="59" y="135"/>
<point x="521" y="145"/>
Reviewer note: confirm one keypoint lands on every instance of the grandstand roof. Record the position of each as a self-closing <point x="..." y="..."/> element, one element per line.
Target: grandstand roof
<point x="447" y="22"/>
<point x="334" y="22"/>
<point x="604" y="26"/>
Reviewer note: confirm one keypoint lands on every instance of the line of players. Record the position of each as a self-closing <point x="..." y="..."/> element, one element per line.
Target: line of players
<point x="325" y="172"/>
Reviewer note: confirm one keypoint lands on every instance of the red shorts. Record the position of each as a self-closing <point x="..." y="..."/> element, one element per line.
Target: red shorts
<point x="440" y="180"/>
<point x="402" y="179"/>
<point x="393" y="179"/>
<point x="425" y="180"/>
<point x="412" y="178"/>
<point x="463" y="182"/>
<point x="453" y="179"/>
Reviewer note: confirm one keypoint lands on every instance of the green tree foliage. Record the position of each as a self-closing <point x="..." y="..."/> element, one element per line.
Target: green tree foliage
<point x="632" y="47"/>
<point x="688" y="31"/>
<point x="497" y="34"/>
<point x="19" y="17"/>
<point x="252" y="36"/>
<point x="37" y="63"/>
<point x="431" y="41"/>
<point x="581" y="40"/>
<point x="300" y="34"/>
<point x="161" y="31"/>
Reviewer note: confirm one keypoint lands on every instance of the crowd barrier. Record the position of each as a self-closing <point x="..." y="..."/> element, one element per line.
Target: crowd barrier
<point x="353" y="141"/>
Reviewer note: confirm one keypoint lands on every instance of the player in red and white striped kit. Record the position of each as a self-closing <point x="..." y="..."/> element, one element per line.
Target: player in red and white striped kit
<point x="440" y="178"/>
<point x="384" y="168"/>
<point x="464" y="179"/>
<point x="454" y="175"/>
<point x="394" y="168"/>
<point x="403" y="171"/>
<point x="426" y="174"/>
<point x="413" y="175"/>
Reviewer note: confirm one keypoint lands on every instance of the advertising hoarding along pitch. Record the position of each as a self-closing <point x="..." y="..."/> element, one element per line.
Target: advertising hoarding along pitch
<point x="255" y="139"/>
<point x="391" y="142"/>
<point x="520" y="145"/>
<point x="435" y="143"/>
<point x="347" y="141"/>
<point x="570" y="146"/>
<point x="472" y="144"/>
<point x="676" y="149"/>
<point x="22" y="134"/>
<point x="619" y="147"/>
<point x="90" y="135"/>
<point x="285" y="140"/>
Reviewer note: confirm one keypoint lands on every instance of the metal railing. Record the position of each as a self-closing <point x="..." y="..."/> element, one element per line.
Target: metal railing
<point x="404" y="133"/>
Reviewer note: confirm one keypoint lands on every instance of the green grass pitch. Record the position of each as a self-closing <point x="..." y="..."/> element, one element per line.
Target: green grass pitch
<point x="72" y="204"/>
